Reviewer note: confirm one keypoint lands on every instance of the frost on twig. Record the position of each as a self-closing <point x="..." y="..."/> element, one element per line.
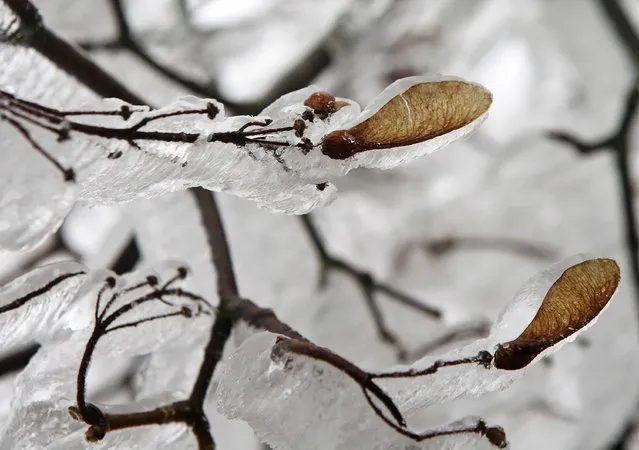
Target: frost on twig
<point x="276" y="376"/>
<point x="83" y="318"/>
<point x="28" y="313"/>
<point x="283" y="159"/>
<point x="288" y="375"/>
<point x="115" y="312"/>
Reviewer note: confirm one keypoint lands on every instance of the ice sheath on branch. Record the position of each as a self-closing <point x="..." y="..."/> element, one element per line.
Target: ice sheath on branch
<point x="277" y="376"/>
<point x="273" y="380"/>
<point x="493" y="434"/>
<point x="284" y="159"/>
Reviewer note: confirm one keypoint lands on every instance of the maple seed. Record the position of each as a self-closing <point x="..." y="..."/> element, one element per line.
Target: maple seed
<point x="422" y="112"/>
<point x="572" y="302"/>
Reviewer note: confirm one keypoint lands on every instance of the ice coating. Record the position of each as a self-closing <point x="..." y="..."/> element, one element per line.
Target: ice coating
<point x="275" y="159"/>
<point x="280" y="387"/>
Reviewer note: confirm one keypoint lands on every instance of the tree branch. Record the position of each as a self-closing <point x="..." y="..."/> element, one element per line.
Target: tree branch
<point x="231" y="308"/>
<point x="226" y="290"/>
<point x="76" y="64"/>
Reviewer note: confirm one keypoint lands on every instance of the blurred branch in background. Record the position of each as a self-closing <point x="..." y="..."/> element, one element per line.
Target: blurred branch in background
<point x="299" y="77"/>
<point x="16" y="361"/>
<point x="620" y="145"/>
<point x="369" y="286"/>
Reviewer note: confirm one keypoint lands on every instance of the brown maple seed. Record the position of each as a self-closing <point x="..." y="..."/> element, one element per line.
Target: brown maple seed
<point x="422" y="112"/>
<point x="574" y="300"/>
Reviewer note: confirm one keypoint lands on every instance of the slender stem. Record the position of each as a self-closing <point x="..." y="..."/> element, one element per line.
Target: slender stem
<point x="85" y="362"/>
<point x="216" y="238"/>
<point x="37" y="292"/>
<point x="226" y="288"/>
<point x="174" y="412"/>
<point x="467" y="331"/>
<point x="483" y="358"/>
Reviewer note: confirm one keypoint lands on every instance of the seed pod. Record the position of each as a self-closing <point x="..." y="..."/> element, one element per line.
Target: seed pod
<point x="572" y="302"/>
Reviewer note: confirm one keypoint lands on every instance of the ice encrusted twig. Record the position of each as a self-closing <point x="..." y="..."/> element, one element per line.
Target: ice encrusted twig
<point x="109" y="318"/>
<point x="288" y="374"/>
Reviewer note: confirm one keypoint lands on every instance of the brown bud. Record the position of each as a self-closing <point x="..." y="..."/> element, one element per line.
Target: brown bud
<point x="497" y="437"/>
<point x="322" y="103"/>
<point x="95" y="433"/>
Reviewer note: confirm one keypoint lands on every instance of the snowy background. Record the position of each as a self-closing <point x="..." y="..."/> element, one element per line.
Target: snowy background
<point x="462" y="229"/>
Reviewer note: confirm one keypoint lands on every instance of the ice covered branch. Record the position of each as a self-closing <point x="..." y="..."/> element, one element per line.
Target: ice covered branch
<point x="551" y="308"/>
<point x="109" y="319"/>
<point x="290" y="343"/>
<point x="69" y="59"/>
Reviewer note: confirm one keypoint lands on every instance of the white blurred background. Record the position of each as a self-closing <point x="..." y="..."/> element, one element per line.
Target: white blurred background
<point x="461" y="229"/>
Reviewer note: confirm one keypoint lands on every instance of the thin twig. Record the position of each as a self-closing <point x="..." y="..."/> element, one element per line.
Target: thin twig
<point x="443" y="246"/>
<point x="456" y="334"/>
